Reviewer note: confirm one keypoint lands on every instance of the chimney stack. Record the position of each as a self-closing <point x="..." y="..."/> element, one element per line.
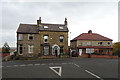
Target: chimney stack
<point x="39" y="21"/>
<point x="90" y="31"/>
<point x="65" y="22"/>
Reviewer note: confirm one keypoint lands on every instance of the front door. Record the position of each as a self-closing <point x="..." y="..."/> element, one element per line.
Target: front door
<point x="80" y="52"/>
<point x="56" y="52"/>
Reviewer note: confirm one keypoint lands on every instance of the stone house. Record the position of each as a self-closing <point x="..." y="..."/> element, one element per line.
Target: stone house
<point x="91" y="43"/>
<point x="42" y="39"/>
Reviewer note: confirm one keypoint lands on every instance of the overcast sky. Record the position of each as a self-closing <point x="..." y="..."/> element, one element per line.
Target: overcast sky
<point x="100" y="17"/>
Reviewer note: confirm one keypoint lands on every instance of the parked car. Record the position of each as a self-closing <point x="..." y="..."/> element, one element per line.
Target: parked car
<point x="74" y="53"/>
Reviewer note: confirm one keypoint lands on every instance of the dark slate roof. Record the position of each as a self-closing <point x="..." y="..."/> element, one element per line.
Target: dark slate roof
<point x="31" y="28"/>
<point x="27" y="28"/>
<point x="53" y="27"/>
<point x="91" y="36"/>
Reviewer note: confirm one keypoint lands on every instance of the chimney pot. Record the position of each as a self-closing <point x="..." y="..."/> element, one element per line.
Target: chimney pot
<point x="90" y="31"/>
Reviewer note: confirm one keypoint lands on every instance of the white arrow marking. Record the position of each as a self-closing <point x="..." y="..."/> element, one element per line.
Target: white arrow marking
<point x="59" y="72"/>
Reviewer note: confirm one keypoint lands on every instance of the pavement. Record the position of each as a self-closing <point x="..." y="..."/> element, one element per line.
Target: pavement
<point x="89" y="68"/>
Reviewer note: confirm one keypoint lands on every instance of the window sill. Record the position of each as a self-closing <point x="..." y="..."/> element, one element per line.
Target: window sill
<point x="20" y="40"/>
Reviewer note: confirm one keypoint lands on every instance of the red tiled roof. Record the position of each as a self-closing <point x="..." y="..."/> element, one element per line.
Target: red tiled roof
<point x="91" y="36"/>
<point x="94" y="47"/>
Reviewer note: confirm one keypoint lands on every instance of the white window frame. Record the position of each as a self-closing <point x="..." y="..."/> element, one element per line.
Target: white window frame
<point x="46" y="37"/>
<point x="80" y="44"/>
<point x="89" y="43"/>
<point x="100" y="44"/>
<point x="89" y="50"/>
<point x="108" y="44"/>
<point x="20" y="36"/>
<point x="62" y="37"/>
<point x="30" y="48"/>
<point x="46" y="48"/>
<point x="30" y="35"/>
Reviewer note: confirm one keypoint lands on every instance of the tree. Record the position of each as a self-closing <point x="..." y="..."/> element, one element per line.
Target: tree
<point x="5" y="48"/>
<point x="116" y="49"/>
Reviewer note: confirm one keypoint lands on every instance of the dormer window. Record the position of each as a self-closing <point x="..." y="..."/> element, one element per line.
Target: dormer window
<point x="46" y="27"/>
<point x="60" y="27"/>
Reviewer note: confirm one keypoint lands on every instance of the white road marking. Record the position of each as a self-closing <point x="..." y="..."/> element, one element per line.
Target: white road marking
<point x="43" y="64"/>
<point x="22" y="65"/>
<point x="94" y="75"/>
<point x="15" y="65"/>
<point x="30" y="65"/>
<point x="50" y="63"/>
<point x="90" y="72"/>
<point x="36" y="64"/>
<point x="63" y="63"/>
<point x="70" y="63"/>
<point x="76" y="65"/>
<point x="8" y="66"/>
<point x="59" y="72"/>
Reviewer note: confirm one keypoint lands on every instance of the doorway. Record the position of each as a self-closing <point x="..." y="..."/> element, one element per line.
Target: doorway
<point x="55" y="50"/>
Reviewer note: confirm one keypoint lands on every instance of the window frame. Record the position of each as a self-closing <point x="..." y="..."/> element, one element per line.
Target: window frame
<point x="20" y="36"/>
<point x="100" y="43"/>
<point x="62" y="38"/>
<point x="46" y="48"/>
<point x="20" y="52"/>
<point x="30" y="35"/>
<point x="89" y="43"/>
<point x="90" y="50"/>
<point x="46" y="38"/>
<point x="61" y="49"/>
<point x="108" y="44"/>
<point x="30" y="48"/>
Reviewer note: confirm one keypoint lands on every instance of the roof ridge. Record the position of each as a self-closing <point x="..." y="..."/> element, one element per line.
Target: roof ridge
<point x="28" y="24"/>
<point x="92" y="36"/>
<point x="52" y="24"/>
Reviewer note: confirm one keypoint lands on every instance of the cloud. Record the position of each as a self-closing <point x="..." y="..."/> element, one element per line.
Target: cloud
<point x="101" y="17"/>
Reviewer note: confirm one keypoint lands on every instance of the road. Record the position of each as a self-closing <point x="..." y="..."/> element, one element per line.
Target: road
<point x="89" y="68"/>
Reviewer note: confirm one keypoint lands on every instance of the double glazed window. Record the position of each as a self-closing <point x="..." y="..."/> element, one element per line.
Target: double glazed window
<point x="46" y="38"/>
<point x="30" y="37"/>
<point x="30" y="48"/>
<point x="20" y="37"/>
<point x="61" y="38"/>
<point x="89" y="50"/>
<point x="46" y="50"/>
